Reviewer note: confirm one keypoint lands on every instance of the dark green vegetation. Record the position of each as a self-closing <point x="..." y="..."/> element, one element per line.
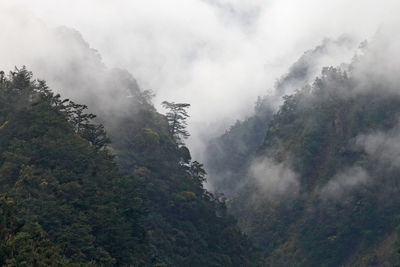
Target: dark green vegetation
<point x="64" y="200"/>
<point x="315" y="184"/>
<point x="331" y="152"/>
<point x="228" y="156"/>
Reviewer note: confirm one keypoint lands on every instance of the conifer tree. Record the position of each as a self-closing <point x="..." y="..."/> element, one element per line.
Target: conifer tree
<point x="176" y="117"/>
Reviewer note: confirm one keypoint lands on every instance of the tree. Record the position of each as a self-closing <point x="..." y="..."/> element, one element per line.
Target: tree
<point x="81" y="121"/>
<point x="197" y="172"/>
<point x="78" y="117"/>
<point x="176" y="117"/>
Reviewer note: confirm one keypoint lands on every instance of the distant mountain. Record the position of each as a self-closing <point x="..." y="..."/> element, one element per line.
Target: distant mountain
<point x="228" y="155"/>
<point x="323" y="187"/>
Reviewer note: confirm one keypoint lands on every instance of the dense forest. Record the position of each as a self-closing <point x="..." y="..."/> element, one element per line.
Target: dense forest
<point x="101" y="178"/>
<point x="321" y="188"/>
<point x="69" y="197"/>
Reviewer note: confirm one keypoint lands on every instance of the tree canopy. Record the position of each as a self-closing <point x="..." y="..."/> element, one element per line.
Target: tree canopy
<point x="69" y="197"/>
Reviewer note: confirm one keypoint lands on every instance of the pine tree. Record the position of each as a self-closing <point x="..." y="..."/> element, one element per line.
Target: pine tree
<point x="176" y="117"/>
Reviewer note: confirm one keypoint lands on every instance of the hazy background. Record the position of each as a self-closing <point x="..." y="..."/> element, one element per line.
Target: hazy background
<point x="217" y="55"/>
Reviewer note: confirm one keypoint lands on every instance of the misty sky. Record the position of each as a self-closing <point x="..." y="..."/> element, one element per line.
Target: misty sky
<point x="217" y="55"/>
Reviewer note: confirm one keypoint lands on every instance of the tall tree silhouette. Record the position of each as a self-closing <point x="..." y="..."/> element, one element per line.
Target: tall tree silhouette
<point x="176" y="117"/>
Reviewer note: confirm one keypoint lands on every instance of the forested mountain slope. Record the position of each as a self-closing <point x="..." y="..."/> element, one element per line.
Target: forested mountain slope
<point x="323" y="189"/>
<point x="65" y="201"/>
<point x="228" y="155"/>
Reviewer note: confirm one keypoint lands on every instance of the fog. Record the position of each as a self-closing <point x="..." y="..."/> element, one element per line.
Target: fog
<point x="342" y="183"/>
<point x="382" y="146"/>
<point x="217" y="55"/>
<point x="274" y="180"/>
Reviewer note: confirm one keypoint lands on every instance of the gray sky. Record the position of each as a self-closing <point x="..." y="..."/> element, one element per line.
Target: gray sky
<point x="217" y="55"/>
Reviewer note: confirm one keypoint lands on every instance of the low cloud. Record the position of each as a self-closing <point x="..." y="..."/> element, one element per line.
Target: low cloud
<point x="344" y="183"/>
<point x="273" y="179"/>
<point x="384" y="147"/>
<point x="217" y="55"/>
<point x="377" y="65"/>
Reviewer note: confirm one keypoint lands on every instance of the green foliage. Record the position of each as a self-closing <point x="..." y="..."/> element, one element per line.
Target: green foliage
<point x="24" y="243"/>
<point x="64" y="202"/>
<point x="70" y="197"/>
<point x="315" y="130"/>
<point x="186" y="225"/>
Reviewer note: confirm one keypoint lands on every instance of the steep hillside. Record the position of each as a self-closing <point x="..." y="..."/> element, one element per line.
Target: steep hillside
<point x="323" y="189"/>
<point x="228" y="156"/>
<point x="64" y="200"/>
<point x="186" y="225"/>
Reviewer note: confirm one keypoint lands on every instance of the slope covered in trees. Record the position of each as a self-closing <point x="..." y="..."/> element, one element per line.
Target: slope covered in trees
<point x="186" y="225"/>
<point x="227" y="157"/>
<point x="65" y="201"/>
<point x="323" y="189"/>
